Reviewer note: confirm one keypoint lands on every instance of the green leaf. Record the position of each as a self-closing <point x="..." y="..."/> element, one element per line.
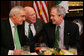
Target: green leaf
<point x="58" y="2"/>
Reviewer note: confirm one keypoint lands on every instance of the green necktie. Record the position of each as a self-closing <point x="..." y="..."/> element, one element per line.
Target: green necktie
<point x="16" y="38"/>
<point x="30" y="32"/>
<point x="56" y="45"/>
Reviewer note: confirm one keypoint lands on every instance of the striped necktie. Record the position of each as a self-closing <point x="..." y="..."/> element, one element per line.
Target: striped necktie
<point x="16" y="38"/>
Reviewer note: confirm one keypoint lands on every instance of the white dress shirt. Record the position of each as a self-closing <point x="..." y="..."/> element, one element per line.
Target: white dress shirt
<point x="27" y="29"/>
<point x="12" y="29"/>
<point x="61" y="37"/>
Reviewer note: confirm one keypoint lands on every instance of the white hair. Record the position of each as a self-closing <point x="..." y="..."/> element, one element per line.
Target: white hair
<point x="60" y="10"/>
<point x="15" y="10"/>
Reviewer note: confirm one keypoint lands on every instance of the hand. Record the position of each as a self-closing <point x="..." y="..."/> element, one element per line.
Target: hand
<point x="74" y="50"/>
<point x="17" y="52"/>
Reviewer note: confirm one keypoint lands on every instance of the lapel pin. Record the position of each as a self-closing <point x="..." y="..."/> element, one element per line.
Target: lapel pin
<point x="68" y="33"/>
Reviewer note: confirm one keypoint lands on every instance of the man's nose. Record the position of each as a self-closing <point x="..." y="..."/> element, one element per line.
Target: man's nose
<point x="50" y="17"/>
<point x="34" y="15"/>
<point x="24" y="18"/>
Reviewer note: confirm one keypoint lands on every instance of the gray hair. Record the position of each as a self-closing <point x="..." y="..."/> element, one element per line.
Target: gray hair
<point x="15" y="10"/>
<point x="60" y="10"/>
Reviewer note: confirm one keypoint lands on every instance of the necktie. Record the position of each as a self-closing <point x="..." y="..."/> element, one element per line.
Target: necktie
<point x="30" y="32"/>
<point x="56" y="45"/>
<point x="16" y="38"/>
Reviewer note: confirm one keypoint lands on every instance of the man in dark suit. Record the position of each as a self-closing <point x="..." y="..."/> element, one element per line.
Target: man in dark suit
<point x="8" y="44"/>
<point x="36" y="27"/>
<point x="68" y="32"/>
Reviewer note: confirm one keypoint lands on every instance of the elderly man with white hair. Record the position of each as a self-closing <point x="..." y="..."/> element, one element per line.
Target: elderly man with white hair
<point x="33" y="27"/>
<point x="12" y="32"/>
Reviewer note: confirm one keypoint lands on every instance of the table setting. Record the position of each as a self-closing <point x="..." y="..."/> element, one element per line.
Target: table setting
<point x="42" y="49"/>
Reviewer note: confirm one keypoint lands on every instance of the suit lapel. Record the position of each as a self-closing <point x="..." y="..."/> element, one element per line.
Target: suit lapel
<point x="51" y="33"/>
<point x="9" y="33"/>
<point x="66" y="34"/>
<point x="38" y="26"/>
<point x="20" y="33"/>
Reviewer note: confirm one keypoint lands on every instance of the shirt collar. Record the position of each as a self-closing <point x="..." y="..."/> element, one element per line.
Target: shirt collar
<point x="62" y="23"/>
<point x="28" y="23"/>
<point x="11" y="23"/>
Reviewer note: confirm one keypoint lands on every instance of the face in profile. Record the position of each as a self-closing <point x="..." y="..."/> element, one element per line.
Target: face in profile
<point x="19" y="18"/>
<point x="31" y="16"/>
<point x="54" y="16"/>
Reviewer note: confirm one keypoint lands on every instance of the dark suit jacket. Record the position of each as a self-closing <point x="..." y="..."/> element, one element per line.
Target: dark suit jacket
<point x="7" y="42"/>
<point x="71" y="35"/>
<point x="38" y="27"/>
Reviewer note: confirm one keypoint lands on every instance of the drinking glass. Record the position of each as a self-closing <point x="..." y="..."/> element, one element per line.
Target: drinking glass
<point x="43" y="47"/>
<point x="26" y="50"/>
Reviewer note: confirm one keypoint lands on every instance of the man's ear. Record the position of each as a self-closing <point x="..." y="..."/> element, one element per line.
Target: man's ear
<point x="61" y="16"/>
<point x="14" y="16"/>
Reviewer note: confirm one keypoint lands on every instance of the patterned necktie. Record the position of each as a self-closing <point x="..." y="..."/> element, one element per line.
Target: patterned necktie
<point x="56" y="45"/>
<point x="30" y="32"/>
<point x="16" y="38"/>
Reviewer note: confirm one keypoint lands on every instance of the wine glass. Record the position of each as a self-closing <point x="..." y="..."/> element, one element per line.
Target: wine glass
<point x="26" y="50"/>
<point x="43" y="47"/>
